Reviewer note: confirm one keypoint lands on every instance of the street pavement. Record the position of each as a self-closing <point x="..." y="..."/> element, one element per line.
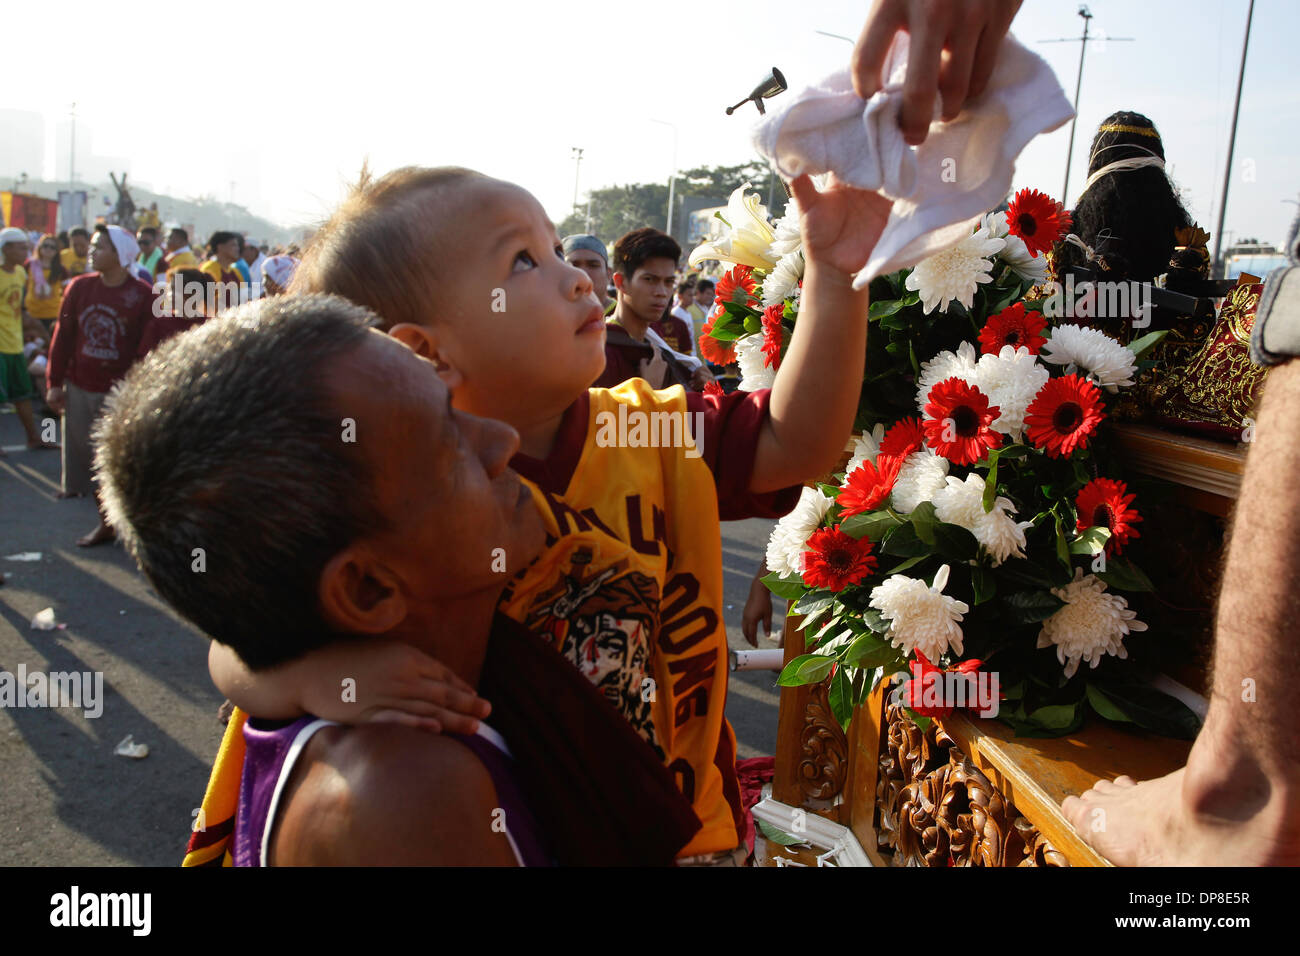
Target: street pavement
<point x="65" y="797"/>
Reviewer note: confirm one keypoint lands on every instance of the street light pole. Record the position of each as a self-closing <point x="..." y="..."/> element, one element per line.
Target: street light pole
<point x="672" y="179"/>
<point x="576" y="153"/>
<point x="1232" y="142"/>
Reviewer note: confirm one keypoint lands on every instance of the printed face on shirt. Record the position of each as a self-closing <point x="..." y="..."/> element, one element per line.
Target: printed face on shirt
<point x="103" y="254"/>
<point x="650" y="290"/>
<point x="440" y="475"/>
<point x="522" y="327"/>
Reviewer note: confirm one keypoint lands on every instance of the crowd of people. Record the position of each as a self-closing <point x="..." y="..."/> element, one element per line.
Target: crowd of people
<point x="421" y="511"/>
<point x="78" y="309"/>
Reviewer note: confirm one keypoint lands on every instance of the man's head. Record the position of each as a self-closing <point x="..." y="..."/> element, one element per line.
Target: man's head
<point x="190" y="294"/>
<point x="356" y="504"/>
<point x="225" y="246"/>
<point x="147" y="237"/>
<point x="588" y="254"/>
<point x="13" y="246"/>
<point x="177" y="239"/>
<point x="79" y="240"/>
<point x="105" y="256"/>
<point x="467" y="271"/>
<point x="704" y="294"/>
<point x="645" y="272"/>
<point x="686" y="294"/>
<point x="251" y="252"/>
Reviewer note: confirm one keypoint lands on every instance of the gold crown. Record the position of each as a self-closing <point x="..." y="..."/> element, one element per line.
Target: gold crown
<point x="1138" y="130"/>
<point x="1191" y="237"/>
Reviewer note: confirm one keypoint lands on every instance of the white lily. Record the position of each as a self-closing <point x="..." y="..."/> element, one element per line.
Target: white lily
<point x="749" y="240"/>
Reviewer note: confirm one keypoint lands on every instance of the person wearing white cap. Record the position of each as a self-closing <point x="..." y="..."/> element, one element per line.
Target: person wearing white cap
<point x="15" y="382"/>
<point x="100" y="322"/>
<point x="277" y="271"/>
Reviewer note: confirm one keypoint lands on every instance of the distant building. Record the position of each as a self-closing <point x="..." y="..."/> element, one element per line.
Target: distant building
<point x="22" y="148"/>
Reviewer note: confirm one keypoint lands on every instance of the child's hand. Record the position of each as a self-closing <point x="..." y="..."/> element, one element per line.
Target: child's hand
<point x="389" y="681"/>
<point x="841" y="225"/>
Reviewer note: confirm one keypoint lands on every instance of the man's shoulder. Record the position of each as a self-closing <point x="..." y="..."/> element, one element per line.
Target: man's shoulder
<point x="386" y="793"/>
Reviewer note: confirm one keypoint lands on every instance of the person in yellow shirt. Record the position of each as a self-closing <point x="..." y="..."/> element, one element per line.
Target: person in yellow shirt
<point x="224" y="248"/>
<point x="179" y="254"/>
<point x="76" y="257"/>
<point x="45" y="277"/>
<point x="15" y="382"/>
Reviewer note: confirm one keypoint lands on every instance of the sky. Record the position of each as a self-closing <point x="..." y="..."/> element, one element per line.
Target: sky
<point x="289" y="101"/>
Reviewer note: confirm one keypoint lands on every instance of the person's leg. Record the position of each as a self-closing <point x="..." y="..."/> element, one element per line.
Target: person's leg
<point x="24" y="409"/>
<point x="82" y="409"/>
<point x="1238" y="799"/>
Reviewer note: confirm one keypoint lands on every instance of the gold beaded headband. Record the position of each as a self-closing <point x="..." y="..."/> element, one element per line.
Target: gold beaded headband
<point x="1138" y="130"/>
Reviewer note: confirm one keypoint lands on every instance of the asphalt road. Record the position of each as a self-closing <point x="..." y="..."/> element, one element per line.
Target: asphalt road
<point x="65" y="798"/>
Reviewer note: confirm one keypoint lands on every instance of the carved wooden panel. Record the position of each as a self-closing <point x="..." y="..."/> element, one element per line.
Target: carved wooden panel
<point x="937" y="809"/>
<point x="824" y="758"/>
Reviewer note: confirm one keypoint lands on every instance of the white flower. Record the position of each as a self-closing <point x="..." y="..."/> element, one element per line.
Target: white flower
<point x="921" y="617"/>
<point x="962" y="503"/>
<point x="960" y="364"/>
<point x="783" y="280"/>
<point x="920" y="478"/>
<point x="865" y="447"/>
<point x="955" y="273"/>
<point x="749" y="355"/>
<point x="1015" y="253"/>
<point x="786" y="235"/>
<point x="1093" y="351"/>
<point x="749" y="237"/>
<point x="1010" y="379"/>
<point x="1091" y="624"/>
<point x="785" y="546"/>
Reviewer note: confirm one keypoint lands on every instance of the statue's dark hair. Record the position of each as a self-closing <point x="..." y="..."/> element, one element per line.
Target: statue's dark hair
<point x="1128" y="217"/>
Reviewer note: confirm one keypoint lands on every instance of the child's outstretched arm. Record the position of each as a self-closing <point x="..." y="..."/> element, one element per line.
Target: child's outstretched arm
<point x="815" y="395"/>
<point x="382" y="681"/>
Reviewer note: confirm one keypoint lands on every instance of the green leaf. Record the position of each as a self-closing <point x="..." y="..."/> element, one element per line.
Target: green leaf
<point x="814" y="601"/>
<point x="1013" y="451"/>
<point x="904" y="565"/>
<point x="1141" y="345"/>
<point x="1092" y="541"/>
<point x="1102" y="705"/>
<point x="830" y="491"/>
<point x="991" y="482"/>
<point x="922" y="722"/>
<point x="1152" y="710"/>
<point x="871" y="617"/>
<point x="791" y="587"/>
<point x="816" y="670"/>
<point x="984" y="584"/>
<point x="924" y="521"/>
<point x="872" y="524"/>
<point x="1062" y="549"/>
<point x="790" y="673"/>
<point x="840" y="697"/>
<point x="815" y="615"/>
<point x="902" y="542"/>
<point x="779" y="837"/>
<point x="1081" y="475"/>
<point x="955" y="543"/>
<point x="883" y="308"/>
<point x="870" y="651"/>
<point x="1023" y="571"/>
<point x="1123" y="575"/>
<point x="1030" y="607"/>
<point x="1055" y="716"/>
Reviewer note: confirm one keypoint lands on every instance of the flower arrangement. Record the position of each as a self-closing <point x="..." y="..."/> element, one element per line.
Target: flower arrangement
<point x="978" y="525"/>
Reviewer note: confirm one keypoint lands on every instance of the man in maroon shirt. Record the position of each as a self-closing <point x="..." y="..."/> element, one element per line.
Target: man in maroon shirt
<point x="94" y="343"/>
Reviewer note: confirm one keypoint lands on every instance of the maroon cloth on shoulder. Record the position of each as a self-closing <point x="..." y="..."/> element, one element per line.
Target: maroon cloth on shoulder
<point x="161" y="328"/>
<point x="600" y="794"/>
<point x="675" y="332"/>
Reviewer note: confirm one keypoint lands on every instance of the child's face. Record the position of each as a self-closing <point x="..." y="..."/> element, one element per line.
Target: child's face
<point x="15" y="254"/>
<point x="522" y="329"/>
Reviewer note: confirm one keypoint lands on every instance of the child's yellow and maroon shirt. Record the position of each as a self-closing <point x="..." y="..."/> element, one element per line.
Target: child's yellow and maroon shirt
<point x="629" y="588"/>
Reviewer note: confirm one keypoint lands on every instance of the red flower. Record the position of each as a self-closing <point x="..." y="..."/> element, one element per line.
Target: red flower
<point x="914" y="690"/>
<point x="1038" y="219"/>
<point x="713" y="388"/>
<point x="834" y="560"/>
<point x="772" y="335"/>
<point x="1103" y="503"/>
<point x="958" y="422"/>
<point x="903" y="438"/>
<point x="737" y="280"/>
<point x="1063" y="415"/>
<point x="869" y="485"/>
<point x="1013" y="326"/>
<point x="719" y="353"/>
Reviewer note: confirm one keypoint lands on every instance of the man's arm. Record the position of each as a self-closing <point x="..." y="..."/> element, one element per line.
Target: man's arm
<point x="62" y="344"/>
<point x="389" y="796"/>
<point x="815" y="395"/>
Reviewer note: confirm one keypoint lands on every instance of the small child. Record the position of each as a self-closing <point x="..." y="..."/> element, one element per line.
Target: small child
<point x="468" y="272"/>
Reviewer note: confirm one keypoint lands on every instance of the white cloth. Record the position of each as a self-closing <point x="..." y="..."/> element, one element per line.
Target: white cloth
<point x="280" y="268"/>
<point x="127" y="248"/>
<point x="690" y="361"/>
<point x="940" y="188"/>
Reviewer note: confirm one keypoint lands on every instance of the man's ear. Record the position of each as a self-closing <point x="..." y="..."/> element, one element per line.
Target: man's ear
<point x="423" y="341"/>
<point x="359" y="595"/>
<point x="619" y="279"/>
